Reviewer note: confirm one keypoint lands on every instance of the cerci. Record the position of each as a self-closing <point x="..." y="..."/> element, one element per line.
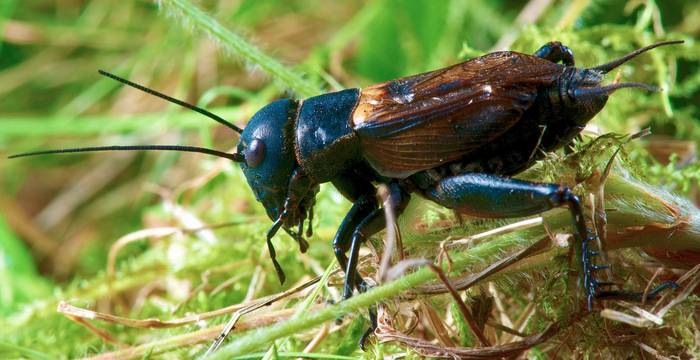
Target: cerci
<point x="453" y="136"/>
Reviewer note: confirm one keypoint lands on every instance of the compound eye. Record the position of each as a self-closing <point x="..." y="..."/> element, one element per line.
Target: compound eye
<point x="255" y="153"/>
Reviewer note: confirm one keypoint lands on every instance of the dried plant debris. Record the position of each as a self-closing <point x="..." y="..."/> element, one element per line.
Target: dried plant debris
<point x="157" y="257"/>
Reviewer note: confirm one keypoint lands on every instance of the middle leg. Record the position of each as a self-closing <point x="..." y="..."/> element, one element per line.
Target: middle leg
<point x="373" y="223"/>
<point x="370" y="225"/>
<point x="364" y="219"/>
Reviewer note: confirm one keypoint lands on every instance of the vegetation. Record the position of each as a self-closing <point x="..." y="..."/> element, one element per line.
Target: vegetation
<point x="94" y="245"/>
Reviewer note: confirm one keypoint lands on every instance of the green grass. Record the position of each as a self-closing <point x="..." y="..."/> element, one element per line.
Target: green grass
<point x="61" y="215"/>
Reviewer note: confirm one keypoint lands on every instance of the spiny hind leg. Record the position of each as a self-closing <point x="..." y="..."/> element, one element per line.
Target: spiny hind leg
<point x="555" y="52"/>
<point x="491" y="196"/>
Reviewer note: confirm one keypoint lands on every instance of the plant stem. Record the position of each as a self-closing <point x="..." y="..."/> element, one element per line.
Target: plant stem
<point x="231" y="41"/>
<point x="573" y="11"/>
<point x="259" y="338"/>
<point x="618" y="186"/>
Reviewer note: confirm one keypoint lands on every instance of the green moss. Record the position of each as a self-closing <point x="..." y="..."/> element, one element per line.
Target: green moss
<point x="52" y="97"/>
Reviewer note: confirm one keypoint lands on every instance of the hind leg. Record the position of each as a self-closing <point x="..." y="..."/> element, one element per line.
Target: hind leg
<point x="555" y="52"/>
<point x="491" y="196"/>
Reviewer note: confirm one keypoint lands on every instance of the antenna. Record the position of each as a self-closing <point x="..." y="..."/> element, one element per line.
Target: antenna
<point x="206" y="113"/>
<point x="233" y="157"/>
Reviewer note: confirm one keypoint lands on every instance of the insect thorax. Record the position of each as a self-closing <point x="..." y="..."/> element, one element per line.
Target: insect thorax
<point x="325" y="143"/>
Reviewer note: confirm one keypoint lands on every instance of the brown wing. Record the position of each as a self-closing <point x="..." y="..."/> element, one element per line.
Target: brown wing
<point x="423" y="121"/>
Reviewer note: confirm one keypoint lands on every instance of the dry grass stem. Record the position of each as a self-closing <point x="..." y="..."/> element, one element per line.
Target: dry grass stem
<point x="317" y="339"/>
<point x="244" y="308"/>
<point x="386" y="332"/>
<point x="196" y="337"/>
<point x="103" y="334"/>
<point x="400" y="268"/>
<point x="468" y="281"/>
<point x="390" y="238"/>
<point x="231" y="324"/>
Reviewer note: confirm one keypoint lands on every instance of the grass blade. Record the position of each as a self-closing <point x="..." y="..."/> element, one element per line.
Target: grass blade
<point x="190" y="13"/>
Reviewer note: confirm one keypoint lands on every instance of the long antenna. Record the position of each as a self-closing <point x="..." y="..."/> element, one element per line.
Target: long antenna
<point x="234" y="157"/>
<point x="206" y="113"/>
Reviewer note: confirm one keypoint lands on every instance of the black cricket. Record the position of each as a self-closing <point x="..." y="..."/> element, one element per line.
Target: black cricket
<point x="453" y="136"/>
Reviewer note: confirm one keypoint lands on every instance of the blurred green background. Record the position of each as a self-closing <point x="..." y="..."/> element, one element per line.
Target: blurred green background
<point x="59" y="215"/>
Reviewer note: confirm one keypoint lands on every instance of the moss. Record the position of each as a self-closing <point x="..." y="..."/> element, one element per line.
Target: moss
<point x="51" y="97"/>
